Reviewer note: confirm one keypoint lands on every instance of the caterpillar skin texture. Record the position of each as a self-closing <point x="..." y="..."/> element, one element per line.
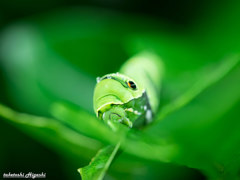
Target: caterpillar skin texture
<point x="119" y="99"/>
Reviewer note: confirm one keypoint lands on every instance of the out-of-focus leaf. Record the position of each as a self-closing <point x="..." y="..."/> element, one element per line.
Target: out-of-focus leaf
<point x="217" y="31"/>
<point x="52" y="133"/>
<point x="208" y="78"/>
<point x="84" y="122"/>
<point x="38" y="76"/>
<point x="99" y="164"/>
<point x="203" y="128"/>
<point x="149" y="147"/>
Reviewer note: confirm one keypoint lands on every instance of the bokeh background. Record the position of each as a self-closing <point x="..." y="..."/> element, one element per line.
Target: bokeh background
<point x="53" y="51"/>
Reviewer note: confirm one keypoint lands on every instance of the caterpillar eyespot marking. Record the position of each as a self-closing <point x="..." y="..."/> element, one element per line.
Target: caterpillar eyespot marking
<point x="131" y="96"/>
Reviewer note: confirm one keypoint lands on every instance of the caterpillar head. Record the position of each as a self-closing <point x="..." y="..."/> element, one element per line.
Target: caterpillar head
<point x="114" y="99"/>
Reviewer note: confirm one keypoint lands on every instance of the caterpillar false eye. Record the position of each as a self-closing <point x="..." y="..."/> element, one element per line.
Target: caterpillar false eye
<point x="129" y="101"/>
<point x="132" y="85"/>
<point x="118" y="100"/>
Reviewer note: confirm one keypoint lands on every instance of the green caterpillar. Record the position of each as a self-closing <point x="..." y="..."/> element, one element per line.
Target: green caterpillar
<point x="130" y="97"/>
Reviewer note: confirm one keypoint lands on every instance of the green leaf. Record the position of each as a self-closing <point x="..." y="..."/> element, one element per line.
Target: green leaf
<point x="206" y="79"/>
<point x="52" y="133"/>
<point x="206" y="128"/>
<point x="99" y="164"/>
<point x="42" y="88"/>
<point x="83" y="122"/>
<point x="150" y="147"/>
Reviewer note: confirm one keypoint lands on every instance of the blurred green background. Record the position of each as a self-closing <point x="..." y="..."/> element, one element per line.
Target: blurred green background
<point x="52" y="51"/>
